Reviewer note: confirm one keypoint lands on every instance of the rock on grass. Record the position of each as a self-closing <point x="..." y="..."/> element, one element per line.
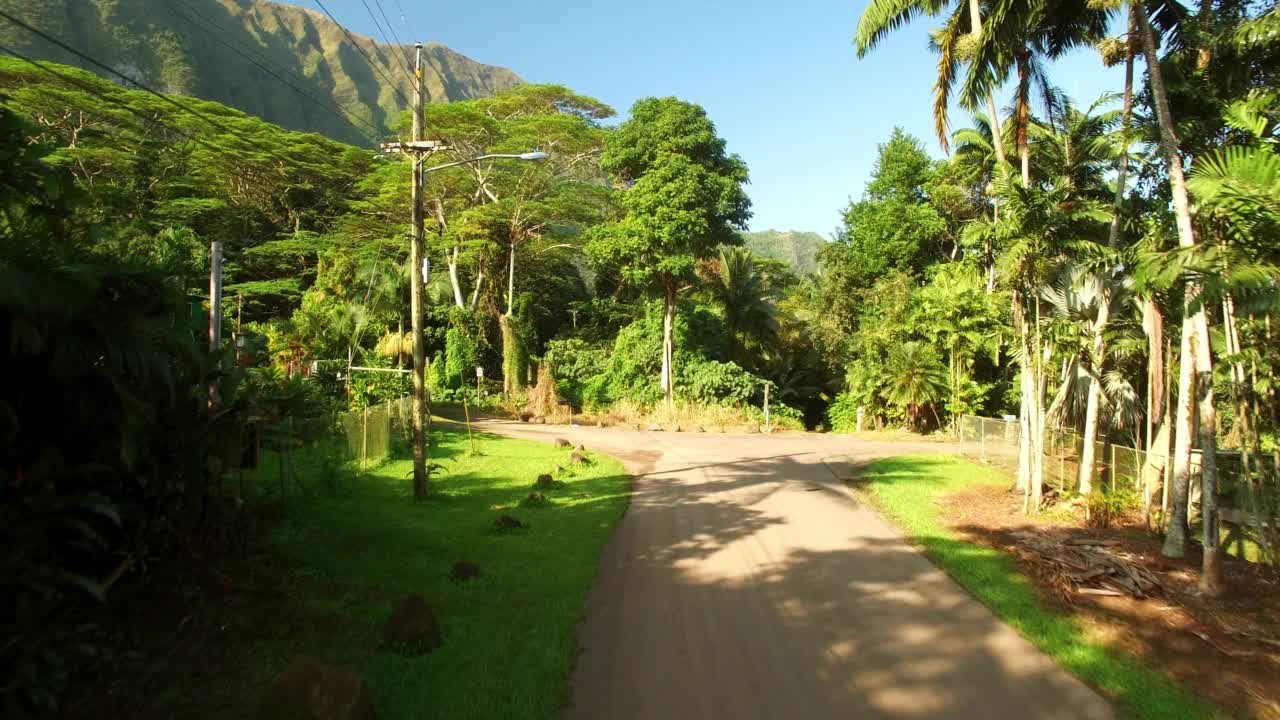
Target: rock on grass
<point x="310" y="690"/>
<point x="464" y="570"/>
<point x="507" y="523"/>
<point x="412" y="628"/>
<point x="535" y="500"/>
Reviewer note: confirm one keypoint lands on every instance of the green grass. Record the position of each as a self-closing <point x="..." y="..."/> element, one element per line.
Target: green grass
<point x="509" y="636"/>
<point x="905" y="488"/>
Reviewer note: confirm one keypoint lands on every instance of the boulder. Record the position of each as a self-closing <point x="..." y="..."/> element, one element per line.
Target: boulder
<point x="506" y="522"/>
<point x="545" y="482"/>
<point x="577" y="458"/>
<point x="581" y="447"/>
<point x="310" y="690"/>
<point x="562" y="443"/>
<point x="535" y="500"/>
<point x="464" y="570"/>
<point x="412" y="628"/>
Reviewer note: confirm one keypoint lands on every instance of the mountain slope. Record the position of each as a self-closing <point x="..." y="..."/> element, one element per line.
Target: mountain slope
<point x="797" y="249"/>
<point x="216" y="49"/>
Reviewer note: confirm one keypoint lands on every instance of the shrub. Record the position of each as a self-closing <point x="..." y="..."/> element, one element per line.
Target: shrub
<point x="713" y="383"/>
<point x="842" y="416"/>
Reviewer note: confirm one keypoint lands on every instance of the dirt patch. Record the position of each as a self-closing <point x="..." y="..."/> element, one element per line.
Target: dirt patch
<point x="1226" y="649"/>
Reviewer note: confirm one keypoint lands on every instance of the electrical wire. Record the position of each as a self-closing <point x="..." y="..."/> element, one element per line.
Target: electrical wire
<point x="387" y="41"/>
<point x="399" y="45"/>
<point x="360" y="50"/>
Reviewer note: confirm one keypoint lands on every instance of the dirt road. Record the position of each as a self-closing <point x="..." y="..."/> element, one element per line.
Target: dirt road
<point x="746" y="582"/>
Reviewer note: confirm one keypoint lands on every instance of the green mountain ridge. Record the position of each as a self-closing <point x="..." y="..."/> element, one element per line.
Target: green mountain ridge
<point x="796" y="248"/>
<point x="216" y="50"/>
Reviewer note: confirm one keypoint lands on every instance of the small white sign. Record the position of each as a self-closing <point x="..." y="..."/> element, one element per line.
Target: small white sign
<point x="426" y="271"/>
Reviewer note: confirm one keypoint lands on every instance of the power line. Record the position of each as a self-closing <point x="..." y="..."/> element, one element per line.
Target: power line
<point x="360" y="50"/>
<point x="334" y="109"/>
<point x="386" y="40"/>
<point x="400" y="46"/>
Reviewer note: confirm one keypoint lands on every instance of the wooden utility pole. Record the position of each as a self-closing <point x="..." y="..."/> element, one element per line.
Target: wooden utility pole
<point x="417" y="149"/>
<point x="215" y="310"/>
<point x="415" y="295"/>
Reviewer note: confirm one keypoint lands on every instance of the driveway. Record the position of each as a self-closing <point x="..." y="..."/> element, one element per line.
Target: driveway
<point x="746" y="582"/>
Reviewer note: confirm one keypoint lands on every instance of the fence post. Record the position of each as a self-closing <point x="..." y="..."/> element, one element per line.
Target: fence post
<point x="982" y="433"/>
<point x="1113" y="468"/>
<point x="364" y="438"/>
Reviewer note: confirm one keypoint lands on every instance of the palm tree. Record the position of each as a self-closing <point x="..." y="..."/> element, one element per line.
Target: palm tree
<point x="1020" y="36"/>
<point x="748" y="305"/>
<point x="916" y="378"/>
<point x="884" y="16"/>
<point x="1195" y="375"/>
<point x="1238" y="188"/>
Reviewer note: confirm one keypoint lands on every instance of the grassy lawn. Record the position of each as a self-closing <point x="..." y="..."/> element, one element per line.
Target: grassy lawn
<point x="344" y="556"/>
<point x="904" y="489"/>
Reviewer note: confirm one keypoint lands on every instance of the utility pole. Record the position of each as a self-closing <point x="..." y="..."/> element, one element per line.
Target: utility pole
<point x="418" y="149"/>
<point x="215" y="310"/>
<point x="415" y="295"/>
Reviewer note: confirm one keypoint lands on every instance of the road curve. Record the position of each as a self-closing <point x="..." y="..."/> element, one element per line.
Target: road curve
<point x="746" y="582"/>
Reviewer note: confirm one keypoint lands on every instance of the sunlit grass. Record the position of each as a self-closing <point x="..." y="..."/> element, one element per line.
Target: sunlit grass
<point x="509" y="636"/>
<point x="905" y="488"/>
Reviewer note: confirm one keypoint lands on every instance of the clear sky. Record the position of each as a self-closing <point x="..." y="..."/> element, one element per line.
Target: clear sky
<point x="780" y="80"/>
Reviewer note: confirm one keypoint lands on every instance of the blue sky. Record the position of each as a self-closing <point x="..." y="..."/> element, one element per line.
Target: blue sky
<point x="781" y="81"/>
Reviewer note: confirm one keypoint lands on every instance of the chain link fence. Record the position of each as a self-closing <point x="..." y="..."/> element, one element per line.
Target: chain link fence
<point x="371" y="434"/>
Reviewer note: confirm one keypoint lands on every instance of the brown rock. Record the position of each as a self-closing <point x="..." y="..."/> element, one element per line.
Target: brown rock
<point x="412" y="627"/>
<point x="562" y="443"/>
<point x="535" y="500"/>
<point x="545" y="482"/>
<point x="581" y="447"/>
<point x="506" y="522"/>
<point x="464" y="570"/>
<point x="310" y="690"/>
<point x="577" y="458"/>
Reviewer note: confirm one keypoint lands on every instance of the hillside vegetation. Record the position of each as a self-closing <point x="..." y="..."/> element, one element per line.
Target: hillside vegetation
<point x="217" y="49"/>
<point x="797" y="249"/>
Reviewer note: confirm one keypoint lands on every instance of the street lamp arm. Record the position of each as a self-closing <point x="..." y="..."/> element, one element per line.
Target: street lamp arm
<point x="534" y="156"/>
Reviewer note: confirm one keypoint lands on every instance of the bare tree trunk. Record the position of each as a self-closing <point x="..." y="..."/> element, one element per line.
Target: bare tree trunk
<point x="1023" y="115"/>
<point x="1197" y="359"/>
<point x="1175" y="538"/>
<point x="475" y="292"/>
<point x="511" y="278"/>
<point x="1092" y="406"/>
<point x="453" y="277"/>
<point x="1211" y="578"/>
<point x="1038" y="416"/>
<point x="668" y="341"/>
<point x="1157" y="428"/>
<point x="1024" y="409"/>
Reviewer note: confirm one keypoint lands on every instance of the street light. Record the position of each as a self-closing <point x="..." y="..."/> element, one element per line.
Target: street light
<point x="531" y="156"/>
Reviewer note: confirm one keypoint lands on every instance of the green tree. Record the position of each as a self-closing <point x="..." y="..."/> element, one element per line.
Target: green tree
<point x="749" y="311"/>
<point x="915" y="379"/>
<point x="682" y="196"/>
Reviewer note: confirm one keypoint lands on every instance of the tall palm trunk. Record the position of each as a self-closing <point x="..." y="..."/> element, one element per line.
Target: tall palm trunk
<point x="975" y="18"/>
<point x="1023" y="112"/>
<point x="1093" y="403"/>
<point x="668" y="342"/>
<point x="1196" y="374"/>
